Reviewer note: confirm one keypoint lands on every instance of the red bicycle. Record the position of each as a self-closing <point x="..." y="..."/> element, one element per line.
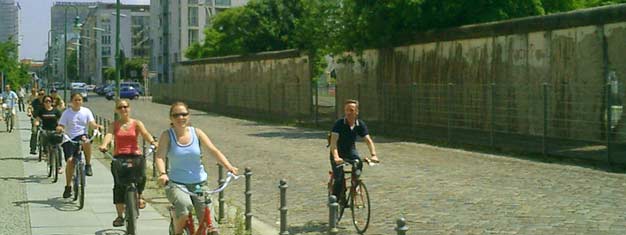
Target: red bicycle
<point x="206" y="225"/>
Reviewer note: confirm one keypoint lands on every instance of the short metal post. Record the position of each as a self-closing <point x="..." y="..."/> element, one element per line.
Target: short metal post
<point x="545" y="119"/>
<point x="220" y="181"/>
<point x="283" y="207"/>
<point x="333" y="206"/>
<point x="608" y="124"/>
<point x="449" y="104"/>
<point x="248" y="193"/>
<point x="492" y="137"/>
<point x="401" y="226"/>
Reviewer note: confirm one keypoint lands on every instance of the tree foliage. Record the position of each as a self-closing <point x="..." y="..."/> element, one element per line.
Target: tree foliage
<point x="15" y="73"/>
<point x="332" y="26"/>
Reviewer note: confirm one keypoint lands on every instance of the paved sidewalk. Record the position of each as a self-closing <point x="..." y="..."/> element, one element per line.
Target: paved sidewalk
<point x="52" y="214"/>
<point x="14" y="219"/>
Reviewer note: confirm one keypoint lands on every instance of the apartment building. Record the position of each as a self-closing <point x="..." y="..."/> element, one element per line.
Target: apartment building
<point x="177" y="25"/>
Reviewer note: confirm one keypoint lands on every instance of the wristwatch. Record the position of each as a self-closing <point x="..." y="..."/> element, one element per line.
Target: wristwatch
<point x="162" y="173"/>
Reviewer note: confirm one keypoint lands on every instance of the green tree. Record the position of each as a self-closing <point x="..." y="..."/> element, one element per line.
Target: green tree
<point x="15" y="73"/>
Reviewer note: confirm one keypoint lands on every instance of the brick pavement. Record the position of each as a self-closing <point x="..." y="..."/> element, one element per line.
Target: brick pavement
<point x="438" y="190"/>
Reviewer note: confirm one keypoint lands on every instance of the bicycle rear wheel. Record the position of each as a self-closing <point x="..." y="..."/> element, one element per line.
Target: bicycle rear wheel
<point x="360" y="207"/>
<point x="57" y="162"/>
<point x="76" y="179"/>
<point x="131" y="211"/>
<point x="51" y="161"/>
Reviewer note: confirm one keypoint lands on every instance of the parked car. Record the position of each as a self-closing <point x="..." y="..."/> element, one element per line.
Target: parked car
<point x="90" y="87"/>
<point x="136" y="85"/>
<point x="126" y="92"/>
<point x="82" y="91"/>
<point x="75" y="85"/>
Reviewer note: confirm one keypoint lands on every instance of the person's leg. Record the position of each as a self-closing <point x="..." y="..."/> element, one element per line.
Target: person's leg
<point x="33" y="139"/>
<point x="338" y="175"/>
<point x="68" y="152"/>
<point x="140" y="172"/>
<point x="183" y="205"/>
<point x="118" y="194"/>
<point x="87" y="151"/>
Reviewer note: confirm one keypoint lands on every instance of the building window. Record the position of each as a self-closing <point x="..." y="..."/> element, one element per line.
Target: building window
<point x="192" y="2"/>
<point x="222" y="2"/>
<point x="106" y="39"/>
<point x="193" y="36"/>
<point x="105" y="62"/>
<point x="106" y="51"/>
<point x="193" y="16"/>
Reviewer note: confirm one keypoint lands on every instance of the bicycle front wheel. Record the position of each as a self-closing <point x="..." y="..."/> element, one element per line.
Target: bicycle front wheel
<point x="57" y="162"/>
<point x="50" y="162"/>
<point x="360" y="206"/>
<point x="131" y="212"/>
<point x="81" y="198"/>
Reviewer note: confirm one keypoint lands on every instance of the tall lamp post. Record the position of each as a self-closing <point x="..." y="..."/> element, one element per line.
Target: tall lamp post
<point x="76" y="19"/>
<point x="118" y="61"/>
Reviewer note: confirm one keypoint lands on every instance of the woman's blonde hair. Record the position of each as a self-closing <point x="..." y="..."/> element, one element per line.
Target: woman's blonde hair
<point x="119" y="101"/>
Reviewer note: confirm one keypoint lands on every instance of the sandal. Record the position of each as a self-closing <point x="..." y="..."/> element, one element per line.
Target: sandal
<point x="118" y="222"/>
<point x="142" y="203"/>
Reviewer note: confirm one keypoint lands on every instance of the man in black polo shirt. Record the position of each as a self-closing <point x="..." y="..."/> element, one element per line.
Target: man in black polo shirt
<point x="34" y="108"/>
<point x="342" y="140"/>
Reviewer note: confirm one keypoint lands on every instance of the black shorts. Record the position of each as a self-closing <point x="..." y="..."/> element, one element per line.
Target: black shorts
<point x="71" y="149"/>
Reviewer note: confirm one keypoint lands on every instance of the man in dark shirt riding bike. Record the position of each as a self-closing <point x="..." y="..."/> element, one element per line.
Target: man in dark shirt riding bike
<point x="342" y="138"/>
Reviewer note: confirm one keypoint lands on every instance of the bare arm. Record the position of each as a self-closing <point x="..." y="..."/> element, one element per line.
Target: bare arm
<point x="107" y="140"/>
<point x="334" y="136"/>
<point x="216" y="152"/>
<point x="371" y="147"/>
<point x="161" y="154"/>
<point x="144" y="132"/>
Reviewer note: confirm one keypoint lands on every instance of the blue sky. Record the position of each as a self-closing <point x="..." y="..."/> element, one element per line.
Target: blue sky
<point x="35" y="23"/>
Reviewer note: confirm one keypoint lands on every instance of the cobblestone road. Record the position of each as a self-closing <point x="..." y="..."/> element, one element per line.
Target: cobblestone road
<point x="438" y="190"/>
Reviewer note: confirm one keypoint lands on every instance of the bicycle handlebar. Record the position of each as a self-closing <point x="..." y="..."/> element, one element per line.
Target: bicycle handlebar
<point x="96" y="133"/>
<point x="229" y="177"/>
<point x="355" y="161"/>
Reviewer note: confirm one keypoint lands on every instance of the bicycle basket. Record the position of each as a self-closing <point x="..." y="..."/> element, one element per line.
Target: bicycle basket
<point x="55" y="139"/>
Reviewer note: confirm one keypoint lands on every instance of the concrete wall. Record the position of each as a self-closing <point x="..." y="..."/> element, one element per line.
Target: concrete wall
<point x="274" y="85"/>
<point x="490" y="78"/>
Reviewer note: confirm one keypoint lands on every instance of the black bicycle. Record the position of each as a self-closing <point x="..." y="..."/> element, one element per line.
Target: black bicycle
<point x="78" y="180"/>
<point x="357" y="199"/>
<point x="131" y="197"/>
<point x="52" y="150"/>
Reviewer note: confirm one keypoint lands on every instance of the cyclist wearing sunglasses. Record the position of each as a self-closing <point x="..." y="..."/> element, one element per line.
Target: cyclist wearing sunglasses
<point x="181" y="144"/>
<point x="125" y="132"/>
<point x="48" y="117"/>
<point x="35" y="106"/>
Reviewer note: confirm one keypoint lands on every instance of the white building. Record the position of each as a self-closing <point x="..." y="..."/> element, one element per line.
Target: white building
<point x="177" y="25"/>
<point x="98" y="39"/>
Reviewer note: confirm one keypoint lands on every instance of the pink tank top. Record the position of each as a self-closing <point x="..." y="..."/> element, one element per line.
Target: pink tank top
<point x="126" y="140"/>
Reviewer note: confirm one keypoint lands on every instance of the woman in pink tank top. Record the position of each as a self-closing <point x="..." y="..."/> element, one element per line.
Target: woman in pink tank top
<point x="125" y="133"/>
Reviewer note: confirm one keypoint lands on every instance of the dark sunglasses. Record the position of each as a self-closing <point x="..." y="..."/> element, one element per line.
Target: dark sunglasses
<point x="47" y="101"/>
<point x="40" y="94"/>
<point x="176" y="115"/>
<point x="122" y="107"/>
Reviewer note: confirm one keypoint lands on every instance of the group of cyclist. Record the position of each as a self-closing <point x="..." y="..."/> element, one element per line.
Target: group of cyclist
<point x="181" y="143"/>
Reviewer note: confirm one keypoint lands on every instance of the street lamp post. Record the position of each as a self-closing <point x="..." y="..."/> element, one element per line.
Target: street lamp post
<point x="118" y="61"/>
<point x="65" y="48"/>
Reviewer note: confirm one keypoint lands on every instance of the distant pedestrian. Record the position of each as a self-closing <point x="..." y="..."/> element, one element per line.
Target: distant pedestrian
<point x="21" y="93"/>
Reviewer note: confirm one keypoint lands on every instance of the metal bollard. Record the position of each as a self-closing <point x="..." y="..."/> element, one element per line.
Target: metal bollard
<point x="401" y="226"/>
<point x="333" y="207"/>
<point x="220" y="181"/>
<point x="283" y="207"/>
<point x="248" y="193"/>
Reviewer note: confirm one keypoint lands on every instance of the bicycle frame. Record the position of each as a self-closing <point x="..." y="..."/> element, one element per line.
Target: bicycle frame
<point x="79" y="167"/>
<point x="207" y="223"/>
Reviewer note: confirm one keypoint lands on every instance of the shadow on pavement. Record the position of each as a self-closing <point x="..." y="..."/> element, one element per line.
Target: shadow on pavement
<point x="293" y="134"/>
<point x="26" y="180"/>
<point x="25" y="159"/>
<point x="309" y="227"/>
<point x="111" y="232"/>
<point x="59" y="203"/>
